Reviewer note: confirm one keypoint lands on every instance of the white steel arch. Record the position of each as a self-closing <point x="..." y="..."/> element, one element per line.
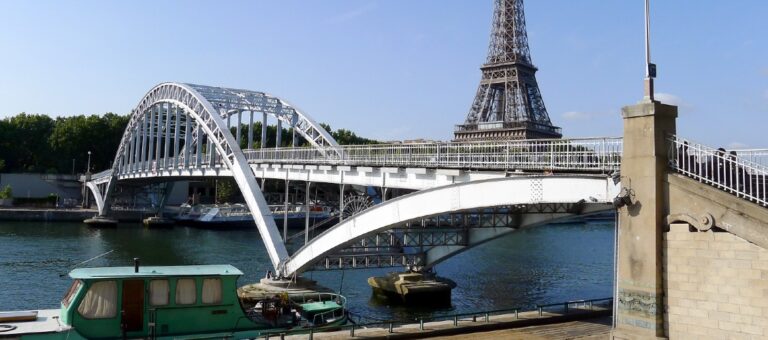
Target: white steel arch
<point x="94" y="188"/>
<point x="230" y="101"/>
<point x="454" y="198"/>
<point x="207" y="110"/>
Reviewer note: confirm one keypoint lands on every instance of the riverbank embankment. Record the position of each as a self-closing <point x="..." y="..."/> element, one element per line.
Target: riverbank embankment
<point x="20" y="214"/>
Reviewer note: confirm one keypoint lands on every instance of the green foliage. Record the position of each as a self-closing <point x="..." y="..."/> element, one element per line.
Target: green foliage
<point x="342" y="136"/>
<point x="7" y="192"/>
<point x="225" y="190"/>
<point x="37" y="143"/>
<point x="23" y="143"/>
<point x="346" y="137"/>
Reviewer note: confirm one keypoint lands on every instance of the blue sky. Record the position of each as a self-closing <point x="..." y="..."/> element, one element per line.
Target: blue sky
<point x="392" y="69"/>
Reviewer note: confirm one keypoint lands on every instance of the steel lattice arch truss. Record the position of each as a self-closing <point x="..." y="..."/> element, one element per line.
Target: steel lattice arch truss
<point x="182" y="126"/>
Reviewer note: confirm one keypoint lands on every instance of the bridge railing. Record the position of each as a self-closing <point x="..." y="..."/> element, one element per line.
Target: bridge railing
<point x="728" y="171"/>
<point x="588" y="154"/>
<point x="758" y="156"/>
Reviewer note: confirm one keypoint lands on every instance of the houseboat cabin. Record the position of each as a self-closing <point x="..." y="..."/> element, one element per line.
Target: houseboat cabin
<point x="168" y="301"/>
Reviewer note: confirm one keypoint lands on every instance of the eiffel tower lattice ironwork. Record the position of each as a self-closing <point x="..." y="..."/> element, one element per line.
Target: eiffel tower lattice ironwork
<point x="508" y="103"/>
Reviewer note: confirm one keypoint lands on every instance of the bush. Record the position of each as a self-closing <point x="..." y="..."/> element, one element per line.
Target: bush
<point x="7" y="192"/>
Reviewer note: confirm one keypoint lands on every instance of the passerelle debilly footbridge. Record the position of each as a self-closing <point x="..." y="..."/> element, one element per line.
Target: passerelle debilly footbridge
<point x="467" y="193"/>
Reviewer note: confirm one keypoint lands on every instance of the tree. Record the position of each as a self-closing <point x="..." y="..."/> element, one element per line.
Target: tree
<point x="225" y="190"/>
<point x="23" y="142"/>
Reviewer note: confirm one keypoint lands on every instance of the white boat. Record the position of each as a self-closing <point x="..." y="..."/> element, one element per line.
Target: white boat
<point x="238" y="215"/>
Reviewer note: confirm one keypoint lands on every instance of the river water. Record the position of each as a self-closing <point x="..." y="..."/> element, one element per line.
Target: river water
<point x="547" y="264"/>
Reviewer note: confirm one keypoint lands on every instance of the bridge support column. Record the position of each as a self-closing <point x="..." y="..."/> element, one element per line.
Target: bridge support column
<point x="285" y="208"/>
<point x="263" y="143"/>
<point x="279" y="134"/>
<point x="250" y="130"/>
<point x="306" y="215"/>
<point x="639" y="312"/>
<point x="341" y="201"/>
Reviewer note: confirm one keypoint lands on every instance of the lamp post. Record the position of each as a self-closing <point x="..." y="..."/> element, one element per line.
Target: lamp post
<point x="86" y="203"/>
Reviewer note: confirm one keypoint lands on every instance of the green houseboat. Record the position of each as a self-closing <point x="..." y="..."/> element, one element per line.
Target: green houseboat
<point x="179" y="302"/>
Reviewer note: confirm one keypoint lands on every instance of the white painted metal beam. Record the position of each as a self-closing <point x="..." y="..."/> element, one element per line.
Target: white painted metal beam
<point x="452" y="198"/>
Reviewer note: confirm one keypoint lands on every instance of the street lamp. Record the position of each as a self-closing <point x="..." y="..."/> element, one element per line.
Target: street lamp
<point x="88" y="169"/>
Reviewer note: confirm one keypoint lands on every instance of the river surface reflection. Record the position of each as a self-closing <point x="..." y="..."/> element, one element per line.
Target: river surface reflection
<point x="546" y="264"/>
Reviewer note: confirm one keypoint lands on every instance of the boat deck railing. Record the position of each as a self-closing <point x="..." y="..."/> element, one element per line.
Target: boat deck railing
<point x="561" y="307"/>
<point x="319" y="296"/>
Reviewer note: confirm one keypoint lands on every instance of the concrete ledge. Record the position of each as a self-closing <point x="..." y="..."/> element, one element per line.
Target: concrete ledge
<point x="310" y="167"/>
<point x="276" y="166"/>
<point x="67" y="215"/>
<point x="448" y="172"/>
<point x="343" y="167"/>
<point x="297" y="167"/>
<point x="325" y="167"/>
<point x="416" y="171"/>
<point x="389" y="170"/>
<point x="364" y="169"/>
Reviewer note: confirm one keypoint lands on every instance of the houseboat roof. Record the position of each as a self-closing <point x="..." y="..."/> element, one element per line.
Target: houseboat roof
<point x="155" y="271"/>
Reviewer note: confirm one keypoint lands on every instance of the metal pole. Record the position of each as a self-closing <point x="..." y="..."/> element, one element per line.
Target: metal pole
<point x="648" y="76"/>
<point x="263" y="143"/>
<point x="239" y="122"/>
<point x="152" y="123"/>
<point x="88" y="167"/>
<point x="285" y="208"/>
<point x="647" y="38"/>
<point x="306" y="215"/>
<point x="176" y="138"/>
<point x="279" y="133"/>
<point x="167" y="146"/>
<point x="250" y="130"/>
<point x="341" y="202"/>
<point x="187" y="140"/>
<point x="199" y="151"/>
<point x="144" y="141"/>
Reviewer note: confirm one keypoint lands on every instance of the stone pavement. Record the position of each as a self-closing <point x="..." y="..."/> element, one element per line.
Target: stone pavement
<point x="577" y="324"/>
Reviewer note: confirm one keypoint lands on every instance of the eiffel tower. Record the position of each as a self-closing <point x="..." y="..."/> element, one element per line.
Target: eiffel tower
<point x="508" y="103"/>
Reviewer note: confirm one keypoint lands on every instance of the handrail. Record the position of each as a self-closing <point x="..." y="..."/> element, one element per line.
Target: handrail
<point x="390" y="324"/>
<point x="727" y="171"/>
<point x="588" y="154"/>
<point x="601" y="154"/>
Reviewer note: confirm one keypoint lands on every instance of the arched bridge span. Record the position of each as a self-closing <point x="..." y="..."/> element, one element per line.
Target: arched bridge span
<point x="177" y="125"/>
<point x="584" y="193"/>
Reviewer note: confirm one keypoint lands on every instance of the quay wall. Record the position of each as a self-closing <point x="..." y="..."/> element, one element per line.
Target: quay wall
<point x="716" y="283"/>
<point x="66" y="215"/>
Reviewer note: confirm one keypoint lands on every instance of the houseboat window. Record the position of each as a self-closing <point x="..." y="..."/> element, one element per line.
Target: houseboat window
<point x="71" y="293"/>
<point x="211" y="291"/>
<point x="100" y="302"/>
<point x="158" y="292"/>
<point x="186" y="292"/>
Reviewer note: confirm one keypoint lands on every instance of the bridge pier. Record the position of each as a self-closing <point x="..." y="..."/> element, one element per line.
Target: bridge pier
<point x="640" y="299"/>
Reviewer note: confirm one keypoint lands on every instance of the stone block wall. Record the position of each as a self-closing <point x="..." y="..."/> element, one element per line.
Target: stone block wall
<point x="717" y="286"/>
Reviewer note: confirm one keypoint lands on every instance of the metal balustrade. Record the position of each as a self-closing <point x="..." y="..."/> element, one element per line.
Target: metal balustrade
<point x="759" y="156"/>
<point x="587" y="155"/>
<point x="591" y="154"/>
<point x="728" y="171"/>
